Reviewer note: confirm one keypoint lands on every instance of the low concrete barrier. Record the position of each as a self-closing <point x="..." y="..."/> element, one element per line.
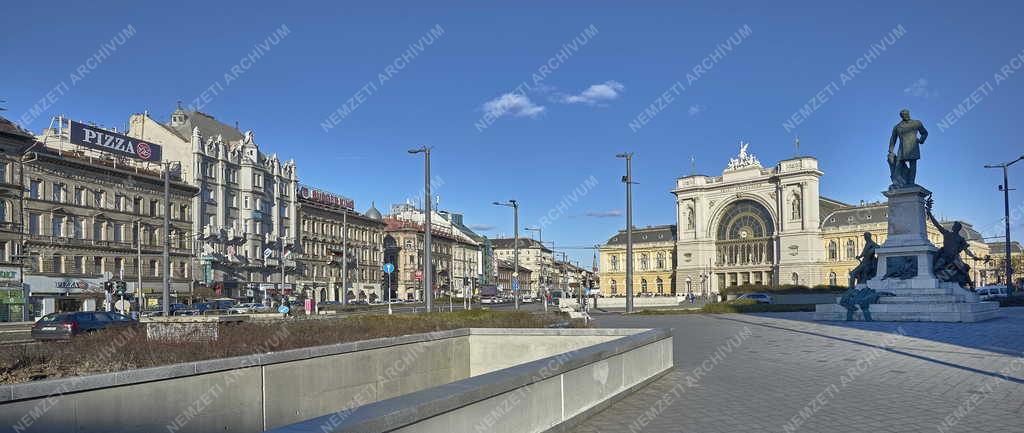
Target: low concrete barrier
<point x="264" y="391"/>
<point x="545" y="395"/>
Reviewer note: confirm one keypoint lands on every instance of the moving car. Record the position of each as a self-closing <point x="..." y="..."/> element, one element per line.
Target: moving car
<point x="63" y="326"/>
<point x="760" y="298"/>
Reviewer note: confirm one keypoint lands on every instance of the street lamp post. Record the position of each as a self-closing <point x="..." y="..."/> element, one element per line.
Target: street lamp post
<point x="1005" y="187"/>
<point x="628" y="180"/>
<point x="544" y="268"/>
<point x="515" y="248"/>
<point x="428" y="290"/>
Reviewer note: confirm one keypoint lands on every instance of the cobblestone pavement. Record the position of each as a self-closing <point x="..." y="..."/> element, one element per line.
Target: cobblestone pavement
<point x="786" y="373"/>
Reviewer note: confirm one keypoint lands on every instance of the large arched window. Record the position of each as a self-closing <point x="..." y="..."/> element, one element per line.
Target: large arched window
<point x="661" y="285"/>
<point x="833" y="250"/>
<point x="796" y="278"/>
<point x="745" y="235"/>
<point x="832" y="280"/>
<point x="851" y="249"/>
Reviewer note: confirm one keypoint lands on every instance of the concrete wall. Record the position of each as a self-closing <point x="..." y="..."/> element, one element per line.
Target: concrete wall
<point x="243" y="394"/>
<point x="543" y="395"/>
<point x="475" y="373"/>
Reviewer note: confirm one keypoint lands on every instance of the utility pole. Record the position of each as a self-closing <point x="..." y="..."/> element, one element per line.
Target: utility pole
<point x="167" y="241"/>
<point x="543" y="266"/>
<point x="138" y="260"/>
<point x="1005" y="187"/>
<point x="428" y="278"/>
<point x="628" y="180"/>
<point x="515" y="248"/>
<point x="344" y="257"/>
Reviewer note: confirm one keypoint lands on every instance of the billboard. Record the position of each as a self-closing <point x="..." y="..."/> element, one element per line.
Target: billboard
<point x="119" y="144"/>
<point x="320" y="196"/>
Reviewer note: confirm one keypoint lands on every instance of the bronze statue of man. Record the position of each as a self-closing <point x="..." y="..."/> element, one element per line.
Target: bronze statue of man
<point x="903" y="163"/>
<point x="948" y="265"/>
<point x="868" y="267"/>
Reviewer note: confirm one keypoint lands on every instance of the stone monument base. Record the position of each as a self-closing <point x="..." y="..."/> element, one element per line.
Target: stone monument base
<point x="937" y="302"/>
<point x="909" y="288"/>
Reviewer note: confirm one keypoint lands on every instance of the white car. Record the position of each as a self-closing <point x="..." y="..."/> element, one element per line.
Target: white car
<point x="760" y="298"/>
<point x="247" y="308"/>
<point x="992" y="293"/>
<point x="528" y="300"/>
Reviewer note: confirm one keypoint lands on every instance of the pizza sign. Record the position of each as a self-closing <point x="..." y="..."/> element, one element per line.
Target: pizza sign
<point x="108" y="141"/>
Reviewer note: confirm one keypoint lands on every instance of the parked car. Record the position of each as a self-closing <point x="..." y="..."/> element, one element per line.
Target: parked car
<point x="488" y="300"/>
<point x="63" y="326"/>
<point x="246" y="308"/>
<point x="528" y="300"/>
<point x="992" y="293"/>
<point x="760" y="298"/>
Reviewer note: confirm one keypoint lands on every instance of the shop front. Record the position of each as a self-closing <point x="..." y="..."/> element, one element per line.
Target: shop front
<point x="56" y="294"/>
<point x="12" y="295"/>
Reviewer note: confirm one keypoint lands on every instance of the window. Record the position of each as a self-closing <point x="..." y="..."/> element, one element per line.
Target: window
<point x="257" y="181"/>
<point x="851" y="249"/>
<point x="661" y="260"/>
<point x="58" y="226"/>
<point x="98" y="198"/>
<point x="57" y="263"/>
<point x="35" y="188"/>
<point x="59" y="192"/>
<point x="211" y="171"/>
<point x="120" y="202"/>
<point x="154" y="269"/>
<point x="3" y="172"/>
<point x="97" y="265"/>
<point x="119" y="265"/>
<point x="232" y="175"/>
<point x="644" y="261"/>
<point x="643" y="285"/>
<point x="615" y="264"/>
<point x="154" y="207"/>
<point x="79" y="265"/>
<point x="137" y="205"/>
<point x="118" y="232"/>
<point x="615" y="288"/>
<point x="245" y="201"/>
<point x="77" y="227"/>
<point x="832" y="278"/>
<point x="79" y="196"/>
<point x="3" y="211"/>
<point x="97" y="230"/>
<point x="833" y="250"/>
<point x="796" y="278"/>
<point x="661" y="286"/>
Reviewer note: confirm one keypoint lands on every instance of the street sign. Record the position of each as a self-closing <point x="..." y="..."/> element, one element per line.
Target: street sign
<point x="515" y="284"/>
<point x="389" y="268"/>
<point x="267" y="253"/>
<point x="282" y="309"/>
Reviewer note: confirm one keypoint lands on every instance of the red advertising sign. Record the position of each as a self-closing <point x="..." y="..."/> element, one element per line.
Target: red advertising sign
<point x="320" y="196"/>
<point x="418" y="275"/>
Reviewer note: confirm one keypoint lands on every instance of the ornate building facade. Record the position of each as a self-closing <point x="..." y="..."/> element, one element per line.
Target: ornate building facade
<point x="246" y="203"/>
<point x="767" y="226"/>
<point x="324" y="220"/>
<point x="654" y="262"/>
<point x="751" y="225"/>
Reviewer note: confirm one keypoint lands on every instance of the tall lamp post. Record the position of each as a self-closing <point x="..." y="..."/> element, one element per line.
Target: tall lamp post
<point x="428" y="277"/>
<point x="515" y="247"/>
<point x="628" y="180"/>
<point x="544" y="268"/>
<point x="1005" y="187"/>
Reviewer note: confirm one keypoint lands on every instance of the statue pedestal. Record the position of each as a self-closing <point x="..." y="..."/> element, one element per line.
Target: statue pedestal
<point x="910" y="290"/>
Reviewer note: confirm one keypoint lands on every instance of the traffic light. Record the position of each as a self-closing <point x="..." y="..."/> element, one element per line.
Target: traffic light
<point x="108" y="286"/>
<point x="122" y="287"/>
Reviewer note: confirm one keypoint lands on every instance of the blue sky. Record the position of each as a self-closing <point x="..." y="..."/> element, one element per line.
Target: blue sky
<point x="549" y="140"/>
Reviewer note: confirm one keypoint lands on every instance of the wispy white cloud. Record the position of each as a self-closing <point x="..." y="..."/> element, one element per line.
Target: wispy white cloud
<point x="919" y="89"/>
<point x="482" y="227"/>
<point x="596" y="93"/>
<point x="512" y="104"/>
<point x="604" y="213"/>
<point x="696" y="109"/>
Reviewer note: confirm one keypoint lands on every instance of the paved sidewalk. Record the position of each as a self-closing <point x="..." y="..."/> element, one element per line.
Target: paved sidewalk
<point x="785" y="373"/>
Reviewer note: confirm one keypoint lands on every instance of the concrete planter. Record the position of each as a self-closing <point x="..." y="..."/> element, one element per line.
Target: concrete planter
<point x="188" y="328"/>
<point x="414" y="382"/>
